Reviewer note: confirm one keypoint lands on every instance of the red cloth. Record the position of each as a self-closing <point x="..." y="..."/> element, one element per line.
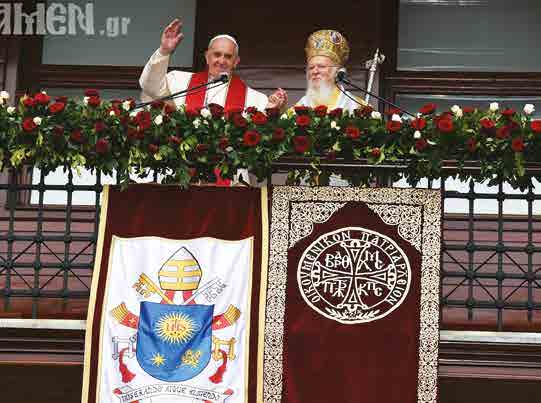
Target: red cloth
<point x="236" y="93"/>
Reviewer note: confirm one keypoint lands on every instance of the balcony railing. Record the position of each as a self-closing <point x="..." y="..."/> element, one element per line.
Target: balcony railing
<point x="491" y="249"/>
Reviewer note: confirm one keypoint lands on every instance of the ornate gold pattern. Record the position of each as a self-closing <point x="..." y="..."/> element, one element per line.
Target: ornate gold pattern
<point x="330" y="43"/>
<point x="430" y="203"/>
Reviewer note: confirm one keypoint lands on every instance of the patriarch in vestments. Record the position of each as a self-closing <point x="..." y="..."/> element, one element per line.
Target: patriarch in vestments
<point x="222" y="56"/>
<point x="326" y="52"/>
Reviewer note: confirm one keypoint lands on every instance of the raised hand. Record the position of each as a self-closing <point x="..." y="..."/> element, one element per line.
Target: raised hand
<point x="171" y="37"/>
<point x="278" y="99"/>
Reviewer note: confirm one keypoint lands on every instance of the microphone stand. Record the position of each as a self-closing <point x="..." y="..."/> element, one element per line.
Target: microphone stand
<point x="187" y="91"/>
<point x="342" y="79"/>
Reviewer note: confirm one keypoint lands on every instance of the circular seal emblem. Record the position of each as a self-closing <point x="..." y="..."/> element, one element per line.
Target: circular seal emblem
<point x="354" y="275"/>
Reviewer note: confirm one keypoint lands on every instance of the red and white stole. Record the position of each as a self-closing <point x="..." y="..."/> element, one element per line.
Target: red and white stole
<point x="236" y="92"/>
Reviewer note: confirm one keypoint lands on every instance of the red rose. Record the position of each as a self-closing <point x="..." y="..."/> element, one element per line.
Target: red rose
<point x="169" y="109"/>
<point x="393" y="111"/>
<point x="153" y="148"/>
<point x="513" y="126"/>
<point x="445" y="125"/>
<point x="76" y="136"/>
<point x="251" y="138"/>
<point x="517" y="144"/>
<point x="62" y="99"/>
<point x="192" y="112"/>
<point x="259" y="118"/>
<point x="91" y="92"/>
<point x="192" y="171"/>
<point x="336" y="113"/>
<point x="217" y="111"/>
<point x="301" y="143"/>
<point x="279" y="134"/>
<point x="418" y="124"/>
<point x="421" y="144"/>
<point x="133" y="134"/>
<point x="393" y="126"/>
<point x="29" y="125"/>
<point x="94" y="101"/>
<point x="536" y="126"/>
<point x="468" y="109"/>
<point x="503" y="132"/>
<point x="102" y="146"/>
<point x="303" y="120"/>
<point x="331" y="155"/>
<point x="376" y="152"/>
<point x="157" y="104"/>
<point x="174" y="140"/>
<point x="363" y="111"/>
<point x="508" y="112"/>
<point x="428" y="109"/>
<point x="124" y="120"/>
<point x="273" y="113"/>
<point x="353" y="132"/>
<point x="251" y="110"/>
<point x="223" y="143"/>
<point x="487" y="123"/>
<point x="29" y="102"/>
<point x="57" y="107"/>
<point x="201" y="148"/>
<point x="99" y="126"/>
<point x="302" y="110"/>
<point x="471" y="144"/>
<point x="239" y="121"/>
<point x="320" y="111"/>
<point x="116" y="111"/>
<point x="58" y="131"/>
<point x="42" y="99"/>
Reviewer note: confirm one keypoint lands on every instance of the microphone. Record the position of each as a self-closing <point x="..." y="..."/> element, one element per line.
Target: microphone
<point x="223" y="77"/>
<point x="341" y="75"/>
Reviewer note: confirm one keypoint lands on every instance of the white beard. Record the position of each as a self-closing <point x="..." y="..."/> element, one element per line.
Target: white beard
<point x="319" y="93"/>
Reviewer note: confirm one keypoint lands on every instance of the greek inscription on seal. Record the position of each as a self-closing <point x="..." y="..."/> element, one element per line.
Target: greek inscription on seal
<point x="354" y="275"/>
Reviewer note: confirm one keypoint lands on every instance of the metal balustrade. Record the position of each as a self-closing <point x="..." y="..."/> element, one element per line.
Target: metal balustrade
<point x="491" y="263"/>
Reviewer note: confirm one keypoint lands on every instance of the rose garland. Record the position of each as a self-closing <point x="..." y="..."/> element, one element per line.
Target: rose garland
<point x="190" y="145"/>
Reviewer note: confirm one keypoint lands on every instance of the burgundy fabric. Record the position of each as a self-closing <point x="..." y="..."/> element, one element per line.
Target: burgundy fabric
<point x="168" y="211"/>
<point x="326" y="361"/>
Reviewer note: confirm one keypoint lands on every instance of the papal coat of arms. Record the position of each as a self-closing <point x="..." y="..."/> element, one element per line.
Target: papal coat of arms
<point x="175" y="339"/>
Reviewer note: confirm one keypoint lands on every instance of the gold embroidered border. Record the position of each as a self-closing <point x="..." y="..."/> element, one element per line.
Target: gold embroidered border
<point x="430" y="203"/>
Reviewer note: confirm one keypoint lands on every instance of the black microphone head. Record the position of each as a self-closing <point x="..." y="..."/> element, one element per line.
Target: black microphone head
<point x="223" y="77"/>
<point x="342" y="72"/>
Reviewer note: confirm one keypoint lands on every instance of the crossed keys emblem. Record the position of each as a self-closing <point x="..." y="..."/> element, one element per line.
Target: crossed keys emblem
<point x="362" y="273"/>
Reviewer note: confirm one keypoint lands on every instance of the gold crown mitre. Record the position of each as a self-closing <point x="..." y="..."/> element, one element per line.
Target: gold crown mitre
<point x="330" y="43"/>
<point x="181" y="272"/>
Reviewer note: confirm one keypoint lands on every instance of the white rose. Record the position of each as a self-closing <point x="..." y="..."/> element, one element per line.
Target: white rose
<point x="1" y="101"/>
<point x="417" y="134"/>
<point x="396" y="118"/>
<point x="11" y="110"/>
<point x="37" y="120"/>
<point x="375" y="115"/>
<point x="85" y="100"/>
<point x="494" y="107"/>
<point x="4" y="94"/>
<point x="112" y="113"/>
<point x="245" y="115"/>
<point x="126" y="105"/>
<point x="196" y="123"/>
<point x="529" y="109"/>
<point x="459" y="113"/>
<point x="284" y="116"/>
<point x="158" y="120"/>
<point x="455" y="108"/>
<point x="205" y="113"/>
<point x="334" y="125"/>
<point x="133" y="114"/>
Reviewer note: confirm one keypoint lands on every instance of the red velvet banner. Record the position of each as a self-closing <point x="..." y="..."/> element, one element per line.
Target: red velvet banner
<point x="213" y="222"/>
<point x="353" y="296"/>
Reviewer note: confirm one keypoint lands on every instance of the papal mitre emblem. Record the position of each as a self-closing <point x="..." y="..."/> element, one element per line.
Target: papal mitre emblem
<point x="181" y="272"/>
